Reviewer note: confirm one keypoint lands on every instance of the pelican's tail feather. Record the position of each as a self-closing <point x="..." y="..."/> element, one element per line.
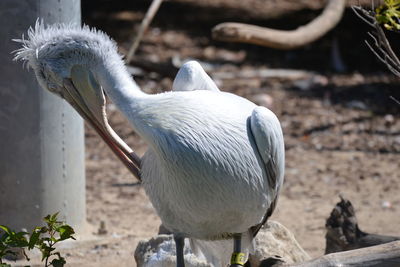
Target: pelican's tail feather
<point x="218" y="252"/>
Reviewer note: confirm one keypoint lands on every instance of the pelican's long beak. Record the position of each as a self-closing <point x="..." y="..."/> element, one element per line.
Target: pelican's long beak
<point x="87" y="97"/>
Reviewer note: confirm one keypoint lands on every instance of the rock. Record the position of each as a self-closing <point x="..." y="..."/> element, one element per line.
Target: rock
<point x="275" y="241"/>
<point x="160" y="251"/>
<point x="389" y="120"/>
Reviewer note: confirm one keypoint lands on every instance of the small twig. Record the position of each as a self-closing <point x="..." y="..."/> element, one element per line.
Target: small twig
<point x="383" y="55"/>
<point x="395" y="100"/>
<point x="384" y="41"/>
<point x="143" y="27"/>
<point x="386" y="57"/>
<point x="380" y="45"/>
<point x="364" y="15"/>
<point x="375" y="50"/>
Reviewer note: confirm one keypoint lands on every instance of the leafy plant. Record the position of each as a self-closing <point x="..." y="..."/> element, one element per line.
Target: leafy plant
<point x="9" y="240"/>
<point x="43" y="238"/>
<point x="388" y="14"/>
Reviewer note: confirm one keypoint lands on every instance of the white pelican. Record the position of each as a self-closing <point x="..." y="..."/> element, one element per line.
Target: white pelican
<point x="215" y="161"/>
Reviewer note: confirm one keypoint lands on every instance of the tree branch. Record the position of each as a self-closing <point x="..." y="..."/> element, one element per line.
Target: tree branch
<point x="386" y="255"/>
<point x="143" y="27"/>
<point x="280" y="39"/>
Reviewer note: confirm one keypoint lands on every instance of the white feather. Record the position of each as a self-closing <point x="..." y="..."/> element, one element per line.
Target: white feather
<point x="191" y="76"/>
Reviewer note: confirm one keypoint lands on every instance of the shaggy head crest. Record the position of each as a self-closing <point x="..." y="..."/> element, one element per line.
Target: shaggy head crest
<point x="51" y="51"/>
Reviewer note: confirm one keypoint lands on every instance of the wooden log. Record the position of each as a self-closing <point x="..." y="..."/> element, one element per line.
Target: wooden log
<point x="280" y="39"/>
<point x="385" y="255"/>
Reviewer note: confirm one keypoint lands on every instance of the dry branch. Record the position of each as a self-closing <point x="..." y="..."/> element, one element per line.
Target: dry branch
<point x="380" y="45"/>
<point x="143" y="27"/>
<point x="280" y="39"/>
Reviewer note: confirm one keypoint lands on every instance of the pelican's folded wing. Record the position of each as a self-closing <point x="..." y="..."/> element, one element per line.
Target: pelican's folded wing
<point x="268" y="137"/>
<point x="191" y="76"/>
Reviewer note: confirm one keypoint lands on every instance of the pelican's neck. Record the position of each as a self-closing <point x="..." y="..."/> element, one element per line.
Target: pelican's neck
<point x="119" y="85"/>
<point x="122" y="90"/>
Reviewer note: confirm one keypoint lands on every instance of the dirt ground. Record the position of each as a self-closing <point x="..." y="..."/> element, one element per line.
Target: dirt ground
<point x="342" y="131"/>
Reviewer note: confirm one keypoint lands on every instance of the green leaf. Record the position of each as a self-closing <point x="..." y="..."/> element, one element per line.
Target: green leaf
<point x="33" y="240"/>
<point x="21" y="234"/>
<point x="20" y="239"/>
<point x="16" y="240"/>
<point x="65" y="232"/>
<point x="6" y="229"/>
<point x="54" y="217"/>
<point x="21" y="243"/>
<point x="4" y="237"/>
<point x="5" y="265"/>
<point x="388" y="14"/>
<point x="47" y="219"/>
<point x="45" y="253"/>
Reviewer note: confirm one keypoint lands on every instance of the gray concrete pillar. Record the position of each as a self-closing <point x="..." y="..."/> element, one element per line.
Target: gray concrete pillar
<point x="41" y="136"/>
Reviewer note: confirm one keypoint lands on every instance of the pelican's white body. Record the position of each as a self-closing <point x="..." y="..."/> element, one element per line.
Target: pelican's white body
<point x="215" y="160"/>
<point x="198" y="171"/>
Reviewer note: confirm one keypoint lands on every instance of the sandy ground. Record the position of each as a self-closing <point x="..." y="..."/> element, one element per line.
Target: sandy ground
<point x="342" y="134"/>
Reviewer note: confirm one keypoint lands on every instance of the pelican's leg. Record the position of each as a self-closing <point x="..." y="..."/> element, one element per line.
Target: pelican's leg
<point x="237" y="259"/>
<point x="179" y="244"/>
